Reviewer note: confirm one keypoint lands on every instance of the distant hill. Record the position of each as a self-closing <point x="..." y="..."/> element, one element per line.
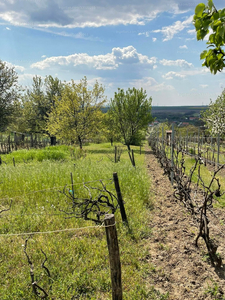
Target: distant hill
<point x="187" y="114"/>
<point x="178" y="109"/>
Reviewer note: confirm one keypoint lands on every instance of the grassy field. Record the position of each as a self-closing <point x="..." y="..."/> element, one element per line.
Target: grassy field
<point x="77" y="260"/>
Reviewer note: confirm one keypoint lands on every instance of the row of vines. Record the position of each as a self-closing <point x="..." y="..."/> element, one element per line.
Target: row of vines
<point x="191" y="187"/>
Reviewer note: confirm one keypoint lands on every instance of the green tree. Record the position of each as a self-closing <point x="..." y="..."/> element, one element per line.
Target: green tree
<point x="8" y="94"/>
<point x="131" y="112"/>
<point x="77" y="115"/>
<point x="109" y="130"/>
<point x="208" y="20"/>
<point x="214" y="116"/>
<point x="54" y="88"/>
<point x="35" y="109"/>
<point x="39" y="102"/>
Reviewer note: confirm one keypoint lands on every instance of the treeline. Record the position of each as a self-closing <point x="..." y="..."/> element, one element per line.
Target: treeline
<point x="72" y="112"/>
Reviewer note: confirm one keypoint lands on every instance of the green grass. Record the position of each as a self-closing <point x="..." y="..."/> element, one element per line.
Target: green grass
<point x="77" y="260"/>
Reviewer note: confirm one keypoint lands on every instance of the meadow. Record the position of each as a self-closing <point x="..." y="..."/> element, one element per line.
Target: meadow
<point x="32" y="200"/>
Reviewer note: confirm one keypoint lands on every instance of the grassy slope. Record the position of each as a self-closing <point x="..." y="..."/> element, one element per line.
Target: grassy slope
<point x="77" y="260"/>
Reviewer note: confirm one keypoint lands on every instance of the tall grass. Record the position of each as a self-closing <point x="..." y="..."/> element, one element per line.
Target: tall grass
<point x="77" y="260"/>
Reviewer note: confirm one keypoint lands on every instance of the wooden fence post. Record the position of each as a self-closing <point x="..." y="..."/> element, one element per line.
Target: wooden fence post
<point x="115" y="154"/>
<point x="218" y="150"/>
<point x="198" y="140"/>
<point x="9" y="147"/>
<point x="172" y="155"/>
<point x="163" y="140"/>
<point x="119" y="197"/>
<point x="114" y="257"/>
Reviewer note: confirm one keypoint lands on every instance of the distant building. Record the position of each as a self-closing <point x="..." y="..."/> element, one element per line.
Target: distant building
<point x="154" y="123"/>
<point x="184" y="124"/>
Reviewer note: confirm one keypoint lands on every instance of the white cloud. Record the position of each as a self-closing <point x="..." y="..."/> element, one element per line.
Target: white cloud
<point x="184" y="73"/>
<point x="43" y="56"/>
<point x="183" y="47"/>
<point x="7" y="28"/>
<point x="79" y="35"/>
<point x="16" y="67"/>
<point x="169" y="31"/>
<point x="150" y="84"/>
<point x="109" y="61"/>
<point x="72" y="14"/>
<point x="26" y="79"/>
<point x="88" y="13"/>
<point x="144" y="33"/>
<point x="191" y="31"/>
<point x="172" y="75"/>
<point x="203" y="86"/>
<point x="178" y="63"/>
<point x="154" y="39"/>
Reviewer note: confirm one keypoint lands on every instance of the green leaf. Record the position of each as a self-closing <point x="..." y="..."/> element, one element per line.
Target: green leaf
<point x="210" y="4"/>
<point x="199" y="9"/>
<point x="218" y="40"/>
<point x="217" y="23"/>
<point x="222" y="13"/>
<point x="212" y="38"/>
<point x="198" y="24"/>
<point x="221" y="31"/>
<point x="203" y="54"/>
<point x="216" y="16"/>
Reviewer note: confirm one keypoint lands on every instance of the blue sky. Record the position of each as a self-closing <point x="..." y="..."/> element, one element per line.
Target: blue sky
<point x="150" y="44"/>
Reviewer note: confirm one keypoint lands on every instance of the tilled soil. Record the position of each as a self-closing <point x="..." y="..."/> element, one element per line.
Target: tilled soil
<point x="178" y="267"/>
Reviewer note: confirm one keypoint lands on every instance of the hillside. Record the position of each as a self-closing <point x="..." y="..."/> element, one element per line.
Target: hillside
<point x="178" y="114"/>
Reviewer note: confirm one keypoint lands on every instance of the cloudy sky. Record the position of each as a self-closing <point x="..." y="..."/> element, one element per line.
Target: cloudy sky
<point x="148" y="43"/>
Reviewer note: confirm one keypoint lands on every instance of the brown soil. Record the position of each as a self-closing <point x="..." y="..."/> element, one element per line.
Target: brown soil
<point x="178" y="266"/>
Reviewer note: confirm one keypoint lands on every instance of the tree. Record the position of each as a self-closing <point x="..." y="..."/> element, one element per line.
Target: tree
<point x="39" y="102"/>
<point x="35" y="108"/>
<point x="131" y="111"/>
<point x="214" y="116"/>
<point x="54" y="88"/>
<point x="8" y="94"/>
<point x="109" y="130"/>
<point x="77" y="115"/>
<point x="209" y="20"/>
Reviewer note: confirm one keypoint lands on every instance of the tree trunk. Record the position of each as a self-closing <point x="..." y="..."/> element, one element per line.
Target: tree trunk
<point x="128" y="147"/>
<point x="53" y="140"/>
<point x="80" y="142"/>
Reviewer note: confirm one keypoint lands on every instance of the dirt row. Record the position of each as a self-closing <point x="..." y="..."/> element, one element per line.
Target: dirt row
<point x="178" y="267"/>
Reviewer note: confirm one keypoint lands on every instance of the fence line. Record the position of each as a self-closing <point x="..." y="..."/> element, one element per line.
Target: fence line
<point x="54" y="188"/>
<point x="56" y="231"/>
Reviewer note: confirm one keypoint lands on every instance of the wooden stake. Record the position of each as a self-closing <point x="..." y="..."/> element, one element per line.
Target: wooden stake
<point x="114" y="257"/>
<point x="115" y="154"/>
<point x="119" y="197"/>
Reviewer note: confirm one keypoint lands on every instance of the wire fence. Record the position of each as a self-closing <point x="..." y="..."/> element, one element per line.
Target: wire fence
<point x="55" y="231"/>
<point x="190" y="185"/>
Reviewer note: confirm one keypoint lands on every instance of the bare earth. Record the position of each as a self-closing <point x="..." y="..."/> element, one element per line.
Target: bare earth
<point x="177" y="265"/>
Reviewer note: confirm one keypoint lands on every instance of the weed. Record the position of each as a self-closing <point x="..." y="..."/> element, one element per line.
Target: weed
<point x="215" y="291"/>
